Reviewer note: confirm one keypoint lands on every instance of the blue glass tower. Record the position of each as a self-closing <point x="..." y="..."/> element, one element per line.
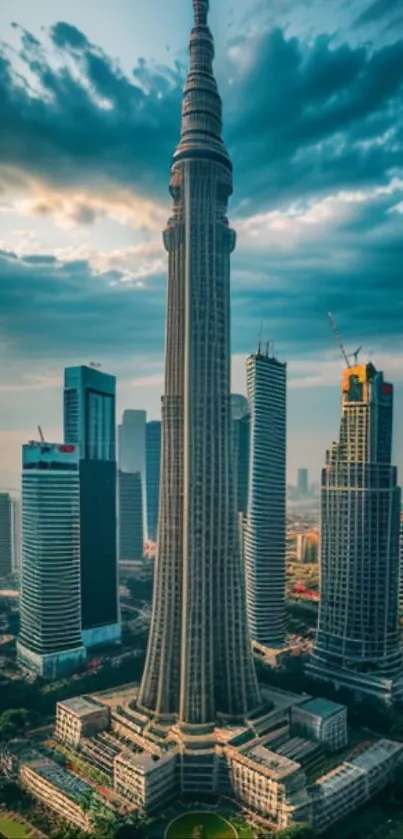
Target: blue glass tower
<point x="89" y="423"/>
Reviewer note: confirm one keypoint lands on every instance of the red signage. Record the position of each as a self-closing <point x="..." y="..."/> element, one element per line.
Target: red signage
<point x="67" y="449"/>
<point x="387" y="389"/>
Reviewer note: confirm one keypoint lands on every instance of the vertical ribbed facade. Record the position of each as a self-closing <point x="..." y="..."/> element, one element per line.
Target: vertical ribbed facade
<point x="265" y="526"/>
<point x="153" y="466"/>
<point x="199" y="661"/>
<point x="50" y="601"/>
<point x="360" y="508"/>
<point x="131" y="536"/>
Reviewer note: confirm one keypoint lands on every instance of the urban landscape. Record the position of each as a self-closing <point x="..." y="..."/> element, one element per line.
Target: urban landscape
<point x="200" y="631"/>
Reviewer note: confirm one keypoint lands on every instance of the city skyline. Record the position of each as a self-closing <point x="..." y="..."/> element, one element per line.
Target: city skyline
<point x="317" y="206"/>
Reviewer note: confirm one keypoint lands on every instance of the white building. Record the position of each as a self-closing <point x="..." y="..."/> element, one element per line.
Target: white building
<point x="50" y="640"/>
<point x="80" y="717"/>
<point x="265" y="527"/>
<point x="321" y="720"/>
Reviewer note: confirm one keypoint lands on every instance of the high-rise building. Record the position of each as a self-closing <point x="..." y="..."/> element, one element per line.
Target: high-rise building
<point x="241" y="435"/>
<point x="199" y="661"/>
<point x="16" y="538"/>
<point x="265" y="527"/>
<point x="153" y="462"/>
<point x="50" y="641"/>
<point x="357" y="643"/>
<point x="131" y="542"/>
<point x="401" y="569"/>
<point x="303" y="483"/>
<point x="132" y="462"/>
<point x="6" y="529"/>
<point x="89" y="423"/>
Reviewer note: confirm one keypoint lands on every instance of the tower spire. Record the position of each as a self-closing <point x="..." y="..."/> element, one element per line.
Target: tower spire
<point x="201" y="10"/>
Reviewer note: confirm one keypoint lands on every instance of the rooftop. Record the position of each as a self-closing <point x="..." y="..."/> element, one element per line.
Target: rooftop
<point x="324" y="708"/>
<point x="375" y="754"/>
<point x="80" y="705"/>
<point x="277" y="765"/>
<point x="72" y="786"/>
<point x="143" y="761"/>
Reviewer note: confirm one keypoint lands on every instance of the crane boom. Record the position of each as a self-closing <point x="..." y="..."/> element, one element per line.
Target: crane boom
<point x="338" y="338"/>
<point x="40" y="432"/>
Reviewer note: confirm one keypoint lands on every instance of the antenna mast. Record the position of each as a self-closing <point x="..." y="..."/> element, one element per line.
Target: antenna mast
<point x="338" y="338"/>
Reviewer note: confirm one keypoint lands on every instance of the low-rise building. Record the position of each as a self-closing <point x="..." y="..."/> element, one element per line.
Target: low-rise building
<point x="80" y="717"/>
<point x="321" y="720"/>
<point x="65" y="793"/>
<point x="146" y="780"/>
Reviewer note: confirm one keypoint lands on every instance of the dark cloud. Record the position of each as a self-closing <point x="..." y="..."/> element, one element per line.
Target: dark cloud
<point x="378" y="10"/>
<point x="300" y="118"/>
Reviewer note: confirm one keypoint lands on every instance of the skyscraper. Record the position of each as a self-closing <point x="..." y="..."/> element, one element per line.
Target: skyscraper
<point x="241" y="435"/>
<point x="89" y="423"/>
<point x="265" y="527"/>
<point x="50" y="641"/>
<point x="302" y="485"/>
<point x="132" y="461"/>
<point x="199" y="662"/>
<point x="401" y="569"/>
<point x="357" y="642"/>
<point x="131" y="542"/>
<point x="153" y="462"/>
<point x="16" y="538"/>
<point x="6" y="528"/>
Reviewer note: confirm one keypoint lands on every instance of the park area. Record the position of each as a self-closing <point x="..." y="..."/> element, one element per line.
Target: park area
<point x="200" y="825"/>
<point x="10" y="829"/>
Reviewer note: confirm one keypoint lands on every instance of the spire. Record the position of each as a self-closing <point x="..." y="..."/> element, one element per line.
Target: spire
<point x="201" y="133"/>
<point x="201" y="9"/>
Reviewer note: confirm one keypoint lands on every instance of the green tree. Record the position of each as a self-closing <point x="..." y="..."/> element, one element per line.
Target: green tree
<point x="302" y="831"/>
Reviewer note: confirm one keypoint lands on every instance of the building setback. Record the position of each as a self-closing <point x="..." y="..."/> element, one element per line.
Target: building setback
<point x="50" y="640"/>
<point x="153" y="463"/>
<point x="357" y="642"/>
<point x="199" y="661"/>
<point x="265" y="527"/>
<point x="89" y="423"/>
<point x="6" y="531"/>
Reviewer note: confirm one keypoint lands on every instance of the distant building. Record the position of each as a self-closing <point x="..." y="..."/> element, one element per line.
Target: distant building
<point x="131" y="542"/>
<point x="50" y="640"/>
<point x="132" y="450"/>
<point x="303" y="483"/>
<point x="16" y="538"/>
<point x="307" y="547"/>
<point x="241" y="435"/>
<point x="357" y="642"/>
<point x="6" y="531"/>
<point x="153" y="463"/>
<point x="265" y="526"/>
<point x="89" y="423"/>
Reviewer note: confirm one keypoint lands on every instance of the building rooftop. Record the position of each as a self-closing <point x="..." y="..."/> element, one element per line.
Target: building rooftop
<point x="324" y="708"/>
<point x="72" y="786"/>
<point x="375" y="754"/>
<point x="276" y="765"/>
<point x="80" y="705"/>
<point x="143" y="761"/>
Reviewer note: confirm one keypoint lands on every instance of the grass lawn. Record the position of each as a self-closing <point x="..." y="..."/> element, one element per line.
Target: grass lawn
<point x="213" y="827"/>
<point x="12" y="830"/>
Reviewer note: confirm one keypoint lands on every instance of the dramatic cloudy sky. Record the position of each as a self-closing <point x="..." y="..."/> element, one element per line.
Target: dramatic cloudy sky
<point x="90" y="107"/>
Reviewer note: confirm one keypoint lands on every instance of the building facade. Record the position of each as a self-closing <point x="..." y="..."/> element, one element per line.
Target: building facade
<point x="50" y="640"/>
<point x="153" y="464"/>
<point x="241" y="434"/>
<point x="130" y="497"/>
<point x="303" y="482"/>
<point x="199" y="662"/>
<point x="132" y="451"/>
<point x="401" y="569"/>
<point x="357" y="642"/>
<point x="265" y="527"/>
<point x="89" y="424"/>
<point x="6" y="535"/>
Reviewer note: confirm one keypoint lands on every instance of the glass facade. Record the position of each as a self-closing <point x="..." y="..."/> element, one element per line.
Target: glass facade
<point x="153" y="463"/>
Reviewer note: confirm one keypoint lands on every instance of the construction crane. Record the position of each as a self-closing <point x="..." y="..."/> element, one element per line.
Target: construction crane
<point x="338" y="339"/>
<point x="40" y="432"/>
<point x="355" y="355"/>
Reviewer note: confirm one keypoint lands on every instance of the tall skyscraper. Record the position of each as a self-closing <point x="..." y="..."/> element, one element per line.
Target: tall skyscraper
<point x="132" y="462"/>
<point x="199" y="662"/>
<point x="241" y="437"/>
<point x="131" y="541"/>
<point x="401" y="569"/>
<point x="6" y="529"/>
<point x="303" y="485"/>
<point x="265" y="526"/>
<point x="89" y="423"/>
<point x="357" y="643"/>
<point x="153" y="463"/>
<point x="16" y="538"/>
<point x="50" y="641"/>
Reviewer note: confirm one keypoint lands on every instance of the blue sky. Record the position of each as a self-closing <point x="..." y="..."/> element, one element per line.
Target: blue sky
<point x="90" y="101"/>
